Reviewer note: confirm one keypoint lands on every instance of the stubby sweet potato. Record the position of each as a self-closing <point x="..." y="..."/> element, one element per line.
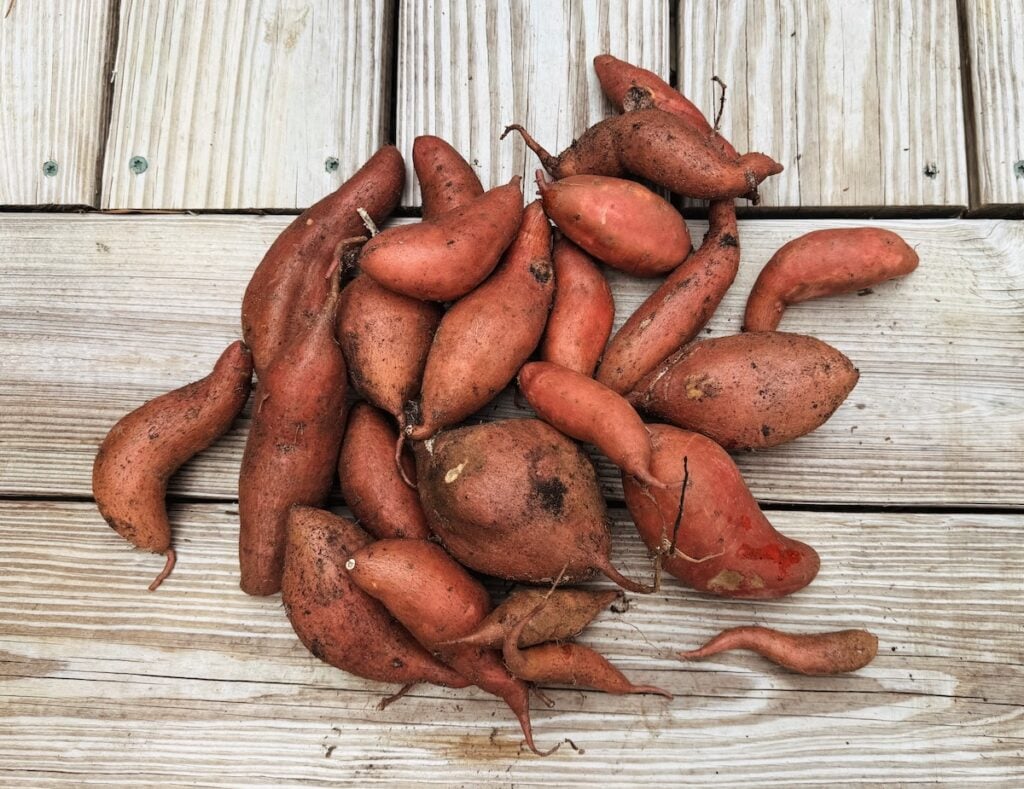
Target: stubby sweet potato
<point x="446" y="180"/>
<point x="749" y="391"/>
<point x="621" y="223"/>
<point x="676" y="311"/>
<point x="825" y="263"/>
<point x="723" y="543"/>
<point x="582" y="313"/>
<point x="516" y="499"/>
<point x="443" y="258"/>
<point x="142" y="451"/>
<point x="335" y="619"/>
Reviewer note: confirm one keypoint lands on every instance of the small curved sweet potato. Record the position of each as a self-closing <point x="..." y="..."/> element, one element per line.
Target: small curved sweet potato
<point x="370" y="481"/>
<point x="142" y="451"/>
<point x="825" y="263"/>
<point x="335" y="619"/>
<point x="724" y="545"/>
<point x="443" y="258"/>
<point x="582" y="312"/>
<point x="749" y="391"/>
<point x="621" y="223"/>
<point x="816" y="653"/>
<point x="446" y="180"/>
<point x="676" y="311"/>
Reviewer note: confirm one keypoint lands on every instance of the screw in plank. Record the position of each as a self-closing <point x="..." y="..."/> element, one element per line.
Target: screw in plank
<point x="931" y="170"/>
<point x="331" y="164"/>
<point x="50" y="168"/>
<point x="138" y="165"/>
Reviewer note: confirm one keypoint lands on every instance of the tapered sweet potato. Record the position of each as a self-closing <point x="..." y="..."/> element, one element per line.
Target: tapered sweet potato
<point x="488" y="334"/>
<point x="621" y="223"/>
<point x="298" y="420"/>
<point x="437" y="601"/>
<point x="142" y="451"/>
<point x="675" y="312"/>
<point x="723" y="543"/>
<point x="817" y="653"/>
<point x="287" y="286"/>
<point x="662" y="148"/>
<point x="370" y="481"/>
<point x="582" y="312"/>
<point x="825" y="263"/>
<point x="589" y="411"/>
<point x="749" y="391"/>
<point x="516" y="499"/>
<point x="335" y="619"/>
<point x="443" y="258"/>
<point x="446" y="180"/>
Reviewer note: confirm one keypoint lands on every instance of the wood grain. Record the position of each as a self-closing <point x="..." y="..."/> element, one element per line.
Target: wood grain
<point x="467" y="69"/>
<point x="994" y="38"/>
<point x="53" y="83"/>
<point x="100" y="313"/>
<point x="197" y="682"/>
<point x="267" y="104"/>
<point x="861" y="103"/>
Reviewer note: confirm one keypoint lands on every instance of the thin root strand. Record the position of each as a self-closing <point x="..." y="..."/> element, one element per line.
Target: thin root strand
<point x="172" y="558"/>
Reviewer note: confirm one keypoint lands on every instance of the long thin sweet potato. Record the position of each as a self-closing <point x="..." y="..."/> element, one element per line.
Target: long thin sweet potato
<point x="446" y="179"/>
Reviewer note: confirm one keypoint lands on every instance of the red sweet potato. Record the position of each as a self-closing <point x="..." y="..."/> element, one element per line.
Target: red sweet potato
<point x="825" y="263"/>
<point x="446" y="180"/>
<point x="370" y="481"/>
<point x="335" y="619"/>
<point x="675" y="312"/>
<point x="582" y="313"/>
<point x="620" y="222"/>
<point x="488" y="334"/>
<point x="142" y="451"/>
<point x="749" y="391"/>
<point x="443" y="258"/>
<point x="817" y="653"/>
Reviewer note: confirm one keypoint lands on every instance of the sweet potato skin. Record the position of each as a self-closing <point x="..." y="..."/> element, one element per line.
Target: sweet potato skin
<point x="335" y="619"/>
<point x="446" y="179"/>
<point x="373" y="489"/>
<point x="582" y="312"/>
<point x="485" y="337"/>
<point x="749" y="391"/>
<point x="825" y="263"/>
<point x="444" y="258"/>
<point x="621" y="223"/>
<point x="678" y="310"/>
<point x="724" y="545"/>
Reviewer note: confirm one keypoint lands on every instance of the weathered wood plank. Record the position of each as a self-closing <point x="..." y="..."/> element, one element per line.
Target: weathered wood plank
<point x="53" y="83"/>
<point x="100" y="313"/>
<point x="994" y="37"/>
<point x="467" y="68"/>
<point x="198" y="682"/>
<point x="861" y="103"/>
<point x="245" y="105"/>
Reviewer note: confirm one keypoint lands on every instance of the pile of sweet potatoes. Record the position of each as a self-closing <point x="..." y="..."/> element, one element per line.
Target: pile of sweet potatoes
<point x="372" y="348"/>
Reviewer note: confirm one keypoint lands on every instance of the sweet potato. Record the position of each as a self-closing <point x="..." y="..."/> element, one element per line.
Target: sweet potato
<point x="723" y="542"/>
<point x="443" y="258"/>
<point x="291" y="455"/>
<point x="662" y="148"/>
<point x="566" y="613"/>
<point x="749" y="391"/>
<point x="335" y="619"/>
<point x="142" y="451"/>
<point x="825" y="263"/>
<point x="370" y="481"/>
<point x="437" y="600"/>
<point x="675" y="312"/>
<point x="446" y="180"/>
<point x="287" y="286"/>
<point x="620" y="222"/>
<point x="385" y="337"/>
<point x="518" y="500"/>
<point x="589" y="411"/>
<point x="488" y="334"/>
<point x="582" y="312"/>
<point x="816" y="654"/>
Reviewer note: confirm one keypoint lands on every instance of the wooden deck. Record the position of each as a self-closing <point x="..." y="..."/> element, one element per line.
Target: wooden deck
<point x="913" y="493"/>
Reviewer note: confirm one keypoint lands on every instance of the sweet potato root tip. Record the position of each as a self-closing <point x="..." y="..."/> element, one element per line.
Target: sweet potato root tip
<point x="549" y="162"/>
<point x="605" y="566"/>
<point x="387" y="701"/>
<point x="172" y="557"/>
